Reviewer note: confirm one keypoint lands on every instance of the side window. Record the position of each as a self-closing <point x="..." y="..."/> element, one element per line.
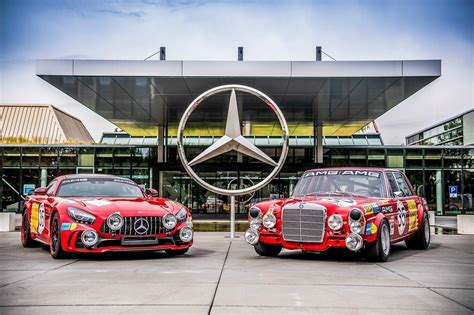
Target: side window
<point x="393" y="183"/>
<point x="402" y="184"/>
<point x="51" y="187"/>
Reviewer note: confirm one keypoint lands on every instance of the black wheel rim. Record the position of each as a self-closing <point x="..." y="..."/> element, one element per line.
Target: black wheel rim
<point x="55" y="239"/>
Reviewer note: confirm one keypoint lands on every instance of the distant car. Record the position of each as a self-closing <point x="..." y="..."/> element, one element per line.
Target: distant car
<point x="362" y="209"/>
<point x="100" y="213"/>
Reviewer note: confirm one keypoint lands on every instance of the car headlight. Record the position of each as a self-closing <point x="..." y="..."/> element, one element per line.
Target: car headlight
<point x="269" y="220"/>
<point x="256" y="223"/>
<point x="186" y="234"/>
<point x="354" y="242"/>
<point x="252" y="236"/>
<point x="89" y="237"/>
<point x="169" y="221"/>
<point x="115" y="221"/>
<point x="335" y="222"/>
<point x="356" y="227"/>
<point x="80" y="215"/>
<point x="255" y="212"/>
<point x="182" y="214"/>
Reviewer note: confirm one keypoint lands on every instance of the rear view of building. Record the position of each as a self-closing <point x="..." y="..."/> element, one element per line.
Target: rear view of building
<point x="40" y="124"/>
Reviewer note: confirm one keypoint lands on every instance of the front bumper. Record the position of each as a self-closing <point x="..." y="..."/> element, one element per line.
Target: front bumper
<point x="107" y="242"/>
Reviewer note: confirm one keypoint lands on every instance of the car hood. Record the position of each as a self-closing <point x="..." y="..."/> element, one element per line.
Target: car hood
<point x="126" y="206"/>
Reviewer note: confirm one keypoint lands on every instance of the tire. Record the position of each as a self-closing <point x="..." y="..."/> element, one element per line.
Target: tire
<point x="176" y="252"/>
<point x="422" y="237"/>
<point x="267" y="250"/>
<point x="26" y="239"/>
<point x="380" y="249"/>
<point x="55" y="247"/>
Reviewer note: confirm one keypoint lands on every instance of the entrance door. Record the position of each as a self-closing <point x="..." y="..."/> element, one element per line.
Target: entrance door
<point x="84" y="170"/>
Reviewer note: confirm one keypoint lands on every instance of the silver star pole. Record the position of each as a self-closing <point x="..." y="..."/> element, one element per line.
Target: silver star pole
<point x="232" y="217"/>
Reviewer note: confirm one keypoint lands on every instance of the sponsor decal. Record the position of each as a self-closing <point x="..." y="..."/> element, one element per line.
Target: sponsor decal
<point x="189" y="223"/>
<point x="98" y="203"/>
<point x="369" y="209"/>
<point x="376" y="207"/>
<point x="34" y="218"/>
<point x="41" y="218"/>
<point x="412" y="215"/>
<point x="73" y="226"/>
<point x="384" y="202"/>
<point x="392" y="225"/>
<point x="343" y="172"/>
<point x="65" y="226"/>
<point x="371" y="229"/>
<point x="387" y="209"/>
<point x="73" y="180"/>
<point x="66" y="201"/>
<point x="401" y="217"/>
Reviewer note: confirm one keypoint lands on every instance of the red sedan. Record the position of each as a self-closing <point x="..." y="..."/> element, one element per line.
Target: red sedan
<point x="100" y="213"/>
<point x="361" y="209"/>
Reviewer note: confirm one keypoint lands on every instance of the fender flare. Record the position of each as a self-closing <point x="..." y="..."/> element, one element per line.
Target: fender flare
<point x="377" y="221"/>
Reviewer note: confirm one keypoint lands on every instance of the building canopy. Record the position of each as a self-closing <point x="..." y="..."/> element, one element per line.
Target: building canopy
<point x="138" y="96"/>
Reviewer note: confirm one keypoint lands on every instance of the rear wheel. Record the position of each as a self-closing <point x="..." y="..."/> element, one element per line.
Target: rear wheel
<point x="55" y="247"/>
<point x="422" y="237"/>
<point x="380" y="249"/>
<point x="267" y="249"/>
<point x="26" y="239"/>
<point x="176" y="252"/>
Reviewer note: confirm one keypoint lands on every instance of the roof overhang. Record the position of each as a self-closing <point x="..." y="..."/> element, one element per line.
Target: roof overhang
<point x="342" y="95"/>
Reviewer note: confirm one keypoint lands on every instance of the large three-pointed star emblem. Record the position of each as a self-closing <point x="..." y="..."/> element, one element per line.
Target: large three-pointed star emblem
<point x="232" y="140"/>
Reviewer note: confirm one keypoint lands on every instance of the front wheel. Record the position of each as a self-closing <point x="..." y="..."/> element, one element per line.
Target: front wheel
<point x="176" y="252"/>
<point x="26" y="239"/>
<point x="422" y="237"/>
<point x="267" y="250"/>
<point x="380" y="249"/>
<point x="55" y="246"/>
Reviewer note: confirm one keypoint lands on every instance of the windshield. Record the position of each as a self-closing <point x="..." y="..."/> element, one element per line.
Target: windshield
<point x="340" y="182"/>
<point x="99" y="187"/>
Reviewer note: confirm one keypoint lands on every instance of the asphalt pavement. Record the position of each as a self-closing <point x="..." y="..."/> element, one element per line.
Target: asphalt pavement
<point x="220" y="276"/>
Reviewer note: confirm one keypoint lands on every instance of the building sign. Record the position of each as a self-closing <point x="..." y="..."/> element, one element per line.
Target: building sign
<point x="27" y="188"/>
<point x="453" y="191"/>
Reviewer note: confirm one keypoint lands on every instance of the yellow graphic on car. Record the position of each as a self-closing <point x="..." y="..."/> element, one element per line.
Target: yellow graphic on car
<point x="34" y="218"/>
<point x="412" y="215"/>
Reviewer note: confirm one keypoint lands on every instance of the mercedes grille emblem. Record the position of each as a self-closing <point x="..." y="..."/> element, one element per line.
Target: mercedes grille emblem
<point x="141" y="226"/>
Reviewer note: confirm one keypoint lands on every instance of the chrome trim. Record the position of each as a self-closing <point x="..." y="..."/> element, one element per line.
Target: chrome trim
<point x="304" y="227"/>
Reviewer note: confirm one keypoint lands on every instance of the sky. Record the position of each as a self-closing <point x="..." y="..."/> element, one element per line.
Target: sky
<point x="268" y="30"/>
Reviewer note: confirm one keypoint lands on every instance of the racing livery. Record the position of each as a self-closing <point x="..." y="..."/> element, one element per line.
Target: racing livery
<point x="99" y="213"/>
<point x="364" y="210"/>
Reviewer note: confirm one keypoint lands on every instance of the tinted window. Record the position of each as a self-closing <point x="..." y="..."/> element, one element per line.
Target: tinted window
<point x="393" y="183"/>
<point x="99" y="187"/>
<point x="402" y="184"/>
<point x="51" y="188"/>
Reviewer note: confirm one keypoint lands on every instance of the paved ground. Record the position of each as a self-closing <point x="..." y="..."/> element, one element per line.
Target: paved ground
<point x="226" y="277"/>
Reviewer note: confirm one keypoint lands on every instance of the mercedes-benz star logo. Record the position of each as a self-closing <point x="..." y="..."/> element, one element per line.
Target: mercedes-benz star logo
<point x="141" y="226"/>
<point x="233" y="139"/>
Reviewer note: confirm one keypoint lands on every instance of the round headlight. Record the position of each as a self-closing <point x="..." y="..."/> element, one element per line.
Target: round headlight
<point x="115" y="221"/>
<point x="251" y="236"/>
<point x="269" y="220"/>
<point x="169" y="221"/>
<point x="335" y="222"/>
<point x="255" y="212"/>
<point x="356" y="214"/>
<point x="356" y="227"/>
<point x="255" y="223"/>
<point x="186" y="234"/>
<point x="89" y="237"/>
<point x="354" y="242"/>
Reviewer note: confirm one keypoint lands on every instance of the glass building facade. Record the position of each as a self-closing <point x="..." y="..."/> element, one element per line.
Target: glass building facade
<point x="432" y="170"/>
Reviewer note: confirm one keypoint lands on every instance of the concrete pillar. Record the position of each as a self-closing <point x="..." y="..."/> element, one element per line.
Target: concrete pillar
<point x="7" y="222"/>
<point x="318" y="144"/>
<point x="465" y="224"/>
<point x="161" y="144"/>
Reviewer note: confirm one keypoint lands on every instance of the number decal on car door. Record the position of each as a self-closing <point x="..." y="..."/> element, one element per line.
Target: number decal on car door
<point x="41" y="218"/>
<point x="401" y="218"/>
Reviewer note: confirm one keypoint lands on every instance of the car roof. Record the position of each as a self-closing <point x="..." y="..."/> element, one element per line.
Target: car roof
<point x="376" y="169"/>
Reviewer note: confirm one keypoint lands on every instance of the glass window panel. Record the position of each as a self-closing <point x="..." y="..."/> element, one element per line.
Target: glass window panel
<point x="433" y="158"/>
<point x="453" y="204"/>
<point x="67" y="157"/>
<point x="11" y="156"/>
<point x="452" y="158"/>
<point x="30" y="156"/>
<point x="85" y="157"/>
<point x="414" y="158"/>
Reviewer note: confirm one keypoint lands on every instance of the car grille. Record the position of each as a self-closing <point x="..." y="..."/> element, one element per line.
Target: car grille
<point x="303" y="222"/>
<point x="153" y="225"/>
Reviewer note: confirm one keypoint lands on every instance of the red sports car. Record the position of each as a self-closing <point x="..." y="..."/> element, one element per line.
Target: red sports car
<point x="100" y="213"/>
<point x="363" y="209"/>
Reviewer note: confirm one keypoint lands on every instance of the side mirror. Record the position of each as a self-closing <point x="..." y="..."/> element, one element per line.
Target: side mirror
<point x="40" y="191"/>
<point x="151" y="192"/>
<point x="398" y="194"/>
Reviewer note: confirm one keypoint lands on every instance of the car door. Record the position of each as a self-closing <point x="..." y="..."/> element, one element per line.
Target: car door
<point x="410" y="202"/>
<point x="41" y="211"/>
<point x="397" y="215"/>
<point x="47" y="207"/>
